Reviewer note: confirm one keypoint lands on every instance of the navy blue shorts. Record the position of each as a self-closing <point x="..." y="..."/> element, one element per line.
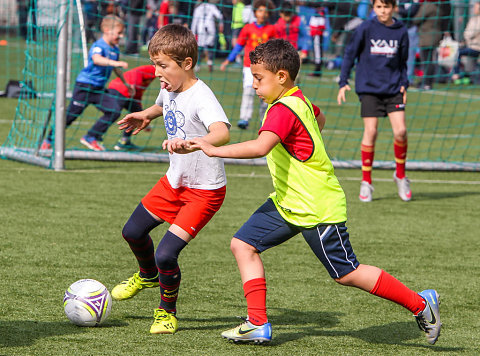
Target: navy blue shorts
<point x="266" y="228"/>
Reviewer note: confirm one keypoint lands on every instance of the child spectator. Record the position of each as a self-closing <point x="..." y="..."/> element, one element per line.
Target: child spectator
<point x="317" y="25"/>
<point x="308" y="199"/>
<point x="204" y="28"/>
<point x="472" y="44"/>
<point x="119" y="98"/>
<point x="290" y="27"/>
<point x="251" y="36"/>
<point x="90" y="84"/>
<point x="380" y="47"/>
<point x="193" y="188"/>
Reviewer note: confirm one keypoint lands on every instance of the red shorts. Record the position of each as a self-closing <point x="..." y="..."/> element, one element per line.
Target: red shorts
<point x="191" y="209"/>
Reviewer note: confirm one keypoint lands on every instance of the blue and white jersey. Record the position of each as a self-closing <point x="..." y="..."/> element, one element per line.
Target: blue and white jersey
<point x="94" y="74"/>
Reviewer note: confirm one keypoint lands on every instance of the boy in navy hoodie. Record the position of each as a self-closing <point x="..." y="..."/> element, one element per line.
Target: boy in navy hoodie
<point x="380" y="46"/>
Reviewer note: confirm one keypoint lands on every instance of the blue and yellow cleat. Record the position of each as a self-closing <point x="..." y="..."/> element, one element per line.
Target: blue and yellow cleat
<point x="428" y="320"/>
<point x="248" y="332"/>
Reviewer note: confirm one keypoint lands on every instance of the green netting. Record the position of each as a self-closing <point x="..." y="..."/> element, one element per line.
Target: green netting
<point x="443" y="128"/>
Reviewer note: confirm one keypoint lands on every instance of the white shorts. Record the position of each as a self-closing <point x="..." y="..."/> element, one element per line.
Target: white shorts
<point x="247" y="77"/>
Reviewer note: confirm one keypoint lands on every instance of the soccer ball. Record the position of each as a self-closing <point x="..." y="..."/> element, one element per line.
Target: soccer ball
<point x="87" y="302"/>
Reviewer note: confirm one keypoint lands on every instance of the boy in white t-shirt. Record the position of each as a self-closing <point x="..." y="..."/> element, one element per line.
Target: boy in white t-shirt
<point x="193" y="188"/>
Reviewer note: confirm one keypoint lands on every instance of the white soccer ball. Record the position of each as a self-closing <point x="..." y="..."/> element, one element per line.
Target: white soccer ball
<point x="87" y="302"/>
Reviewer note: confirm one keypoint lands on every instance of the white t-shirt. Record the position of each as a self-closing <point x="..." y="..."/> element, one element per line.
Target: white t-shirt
<point x="203" y="24"/>
<point x="188" y="115"/>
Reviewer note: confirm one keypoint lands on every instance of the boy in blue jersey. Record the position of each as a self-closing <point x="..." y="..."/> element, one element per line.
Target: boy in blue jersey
<point x="380" y="47"/>
<point x="308" y="199"/>
<point x="90" y="84"/>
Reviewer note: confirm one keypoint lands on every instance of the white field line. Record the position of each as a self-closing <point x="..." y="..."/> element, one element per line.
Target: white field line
<point x="325" y="131"/>
<point x="236" y="175"/>
<point x="446" y="93"/>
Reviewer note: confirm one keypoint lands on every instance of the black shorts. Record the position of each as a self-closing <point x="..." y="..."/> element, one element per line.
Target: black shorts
<point x="381" y="105"/>
<point x="266" y="228"/>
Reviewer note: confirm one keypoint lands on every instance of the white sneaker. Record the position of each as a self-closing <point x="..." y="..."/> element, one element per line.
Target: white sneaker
<point x="403" y="186"/>
<point x="366" y="190"/>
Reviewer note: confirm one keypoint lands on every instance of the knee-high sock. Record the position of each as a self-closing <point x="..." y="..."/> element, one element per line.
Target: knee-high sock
<point x="392" y="289"/>
<point x="255" y="291"/>
<point x="367" y="161"/>
<point x="400" y="150"/>
<point x="170" y="276"/>
<point x="136" y="233"/>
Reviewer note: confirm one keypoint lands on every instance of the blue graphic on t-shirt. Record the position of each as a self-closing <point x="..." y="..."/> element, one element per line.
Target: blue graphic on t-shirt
<point x="174" y="120"/>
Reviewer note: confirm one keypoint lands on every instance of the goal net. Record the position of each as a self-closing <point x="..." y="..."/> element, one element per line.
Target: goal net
<point x="442" y="109"/>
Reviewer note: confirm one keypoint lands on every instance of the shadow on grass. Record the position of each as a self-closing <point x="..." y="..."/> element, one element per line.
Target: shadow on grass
<point x="442" y="195"/>
<point x="27" y="332"/>
<point x="292" y="325"/>
<point x="397" y="333"/>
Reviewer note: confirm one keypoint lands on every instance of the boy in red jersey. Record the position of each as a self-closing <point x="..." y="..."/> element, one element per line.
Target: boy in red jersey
<point x="192" y="190"/>
<point x="250" y="37"/>
<point x="290" y="27"/>
<point x="308" y="199"/>
<point x="117" y="98"/>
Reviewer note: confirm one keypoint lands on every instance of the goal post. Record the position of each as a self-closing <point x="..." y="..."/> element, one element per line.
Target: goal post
<point x="42" y="100"/>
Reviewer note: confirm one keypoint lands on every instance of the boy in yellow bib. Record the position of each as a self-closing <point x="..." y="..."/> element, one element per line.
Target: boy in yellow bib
<point x="308" y="199"/>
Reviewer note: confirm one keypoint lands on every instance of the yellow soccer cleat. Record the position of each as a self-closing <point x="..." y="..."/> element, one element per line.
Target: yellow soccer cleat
<point x="130" y="287"/>
<point x="164" y="322"/>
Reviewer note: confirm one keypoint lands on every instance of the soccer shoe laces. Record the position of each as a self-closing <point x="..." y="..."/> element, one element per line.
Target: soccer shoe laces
<point x="161" y="315"/>
<point x="422" y="322"/>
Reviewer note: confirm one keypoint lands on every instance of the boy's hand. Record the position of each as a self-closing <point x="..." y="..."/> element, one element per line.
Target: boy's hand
<point x="131" y="90"/>
<point x="122" y="64"/>
<point x="341" y="94"/>
<point x="200" y="144"/>
<point x="224" y="65"/>
<point x="177" y="145"/>
<point x="135" y="121"/>
<point x="404" y="92"/>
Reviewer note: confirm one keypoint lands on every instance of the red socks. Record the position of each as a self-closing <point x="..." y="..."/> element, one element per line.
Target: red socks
<point x="255" y="291"/>
<point x="367" y="160"/>
<point x="392" y="289"/>
<point x="400" y="150"/>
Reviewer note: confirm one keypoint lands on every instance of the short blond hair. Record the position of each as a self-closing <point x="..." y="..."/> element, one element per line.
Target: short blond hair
<point x="175" y="41"/>
<point x="111" y="21"/>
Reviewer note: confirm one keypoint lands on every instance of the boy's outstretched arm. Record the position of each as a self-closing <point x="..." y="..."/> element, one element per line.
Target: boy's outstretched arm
<point x="130" y="87"/>
<point x="137" y="121"/>
<point x="100" y="60"/>
<point x="259" y="147"/>
<point x="218" y="135"/>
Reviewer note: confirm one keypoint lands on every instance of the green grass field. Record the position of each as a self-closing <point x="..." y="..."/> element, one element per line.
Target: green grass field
<point x="61" y="227"/>
<point x="58" y="227"/>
